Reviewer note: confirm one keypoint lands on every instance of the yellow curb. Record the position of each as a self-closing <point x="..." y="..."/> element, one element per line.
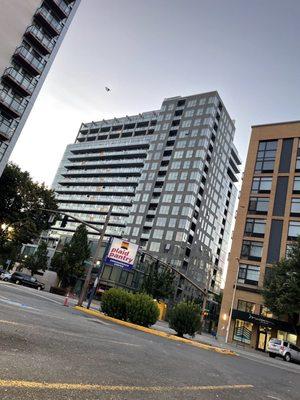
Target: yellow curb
<point x="155" y="332"/>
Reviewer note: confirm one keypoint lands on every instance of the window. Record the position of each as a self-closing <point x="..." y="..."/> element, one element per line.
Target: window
<point x="246" y="306"/>
<point x="197" y="122"/>
<point x="261" y="185"/>
<point x="170" y="187"/>
<point x="167" y="198"/>
<point x="294" y="230"/>
<point x="266" y="156"/>
<point x="154" y="246"/>
<point x="296" y="187"/>
<point x="164" y="210"/>
<point x="178" y="154"/>
<point x="169" y="235"/>
<point x="161" y="221"/>
<point x="258" y="205"/>
<point x="298" y="158"/>
<point x="158" y="233"/>
<point x="255" y="227"/>
<point x="192" y="103"/>
<point x="295" y="207"/>
<point x="189" y="113"/>
<point x="186" y="124"/>
<point x="248" y="274"/>
<point x="251" y="250"/>
<point x="242" y="331"/>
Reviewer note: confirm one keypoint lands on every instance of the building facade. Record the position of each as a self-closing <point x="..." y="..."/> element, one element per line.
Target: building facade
<point x="268" y="220"/>
<point x="31" y="34"/>
<point x="170" y="175"/>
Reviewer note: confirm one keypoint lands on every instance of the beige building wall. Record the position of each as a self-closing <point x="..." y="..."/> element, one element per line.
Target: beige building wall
<point x="245" y="292"/>
<point x="15" y="17"/>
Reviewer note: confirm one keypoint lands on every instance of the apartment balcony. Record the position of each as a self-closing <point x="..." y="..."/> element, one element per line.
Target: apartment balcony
<point x="10" y="105"/>
<point x="45" y="18"/>
<point x="6" y="129"/>
<point x="29" y="60"/>
<point x="19" y="81"/>
<point x="44" y="44"/>
<point x="61" y="8"/>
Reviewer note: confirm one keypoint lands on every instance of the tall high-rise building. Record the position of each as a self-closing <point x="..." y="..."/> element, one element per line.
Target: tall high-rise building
<point x="268" y="220"/>
<point x="30" y="36"/>
<point x="170" y="175"/>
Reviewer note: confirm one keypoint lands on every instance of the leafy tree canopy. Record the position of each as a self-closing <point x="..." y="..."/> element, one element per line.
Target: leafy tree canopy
<point x="69" y="264"/>
<point x="282" y="288"/>
<point x="159" y="284"/>
<point x="37" y="261"/>
<point x="21" y="201"/>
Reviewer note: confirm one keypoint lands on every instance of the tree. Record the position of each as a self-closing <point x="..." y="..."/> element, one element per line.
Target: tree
<point x="21" y="216"/>
<point x="282" y="288"/>
<point x="37" y="261"/>
<point x="69" y="264"/>
<point x="185" y="318"/>
<point x="159" y="284"/>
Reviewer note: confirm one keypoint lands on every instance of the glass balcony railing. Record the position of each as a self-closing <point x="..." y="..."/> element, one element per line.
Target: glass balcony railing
<point x="13" y="106"/>
<point x="51" y="22"/>
<point x="24" y="83"/>
<point x="6" y="129"/>
<point x="39" y="36"/>
<point x="30" y="59"/>
<point x="61" y="7"/>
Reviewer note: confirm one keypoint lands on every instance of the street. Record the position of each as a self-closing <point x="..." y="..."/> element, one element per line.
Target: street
<point x="53" y="352"/>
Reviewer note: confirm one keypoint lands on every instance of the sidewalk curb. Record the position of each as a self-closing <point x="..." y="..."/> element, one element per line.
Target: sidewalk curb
<point x="155" y="332"/>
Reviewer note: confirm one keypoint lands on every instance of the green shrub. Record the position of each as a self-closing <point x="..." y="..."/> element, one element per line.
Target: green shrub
<point x="137" y="308"/>
<point x="143" y="310"/>
<point x="185" y="318"/>
<point x="116" y="302"/>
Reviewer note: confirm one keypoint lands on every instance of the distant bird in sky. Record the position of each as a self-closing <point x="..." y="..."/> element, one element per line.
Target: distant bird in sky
<point x="107" y="89"/>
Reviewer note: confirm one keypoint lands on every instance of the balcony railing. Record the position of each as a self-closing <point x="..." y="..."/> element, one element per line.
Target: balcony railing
<point x="19" y="81"/>
<point x="31" y="62"/>
<point x="11" y="105"/>
<point x="6" y="129"/>
<point x="44" y="43"/>
<point x="62" y="9"/>
<point x="54" y="27"/>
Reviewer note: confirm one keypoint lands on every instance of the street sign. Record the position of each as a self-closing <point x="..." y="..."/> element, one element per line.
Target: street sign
<point x="121" y="253"/>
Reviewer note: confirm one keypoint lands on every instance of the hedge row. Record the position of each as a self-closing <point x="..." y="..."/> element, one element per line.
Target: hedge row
<point x="137" y="308"/>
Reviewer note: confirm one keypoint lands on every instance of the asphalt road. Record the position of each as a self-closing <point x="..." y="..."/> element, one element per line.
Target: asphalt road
<point x="48" y="351"/>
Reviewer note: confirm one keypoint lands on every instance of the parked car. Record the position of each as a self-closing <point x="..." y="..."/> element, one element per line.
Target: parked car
<point x="26" y="280"/>
<point x="284" y="349"/>
<point x="5" y="276"/>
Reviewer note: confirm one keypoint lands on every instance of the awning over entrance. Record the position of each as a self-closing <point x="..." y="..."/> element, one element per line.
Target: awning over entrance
<point x="263" y="321"/>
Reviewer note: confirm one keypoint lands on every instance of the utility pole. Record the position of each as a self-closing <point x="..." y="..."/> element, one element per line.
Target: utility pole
<point x="232" y="301"/>
<point x="95" y="259"/>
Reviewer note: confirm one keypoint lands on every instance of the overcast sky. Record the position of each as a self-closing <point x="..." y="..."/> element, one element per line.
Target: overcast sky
<point x="146" y="50"/>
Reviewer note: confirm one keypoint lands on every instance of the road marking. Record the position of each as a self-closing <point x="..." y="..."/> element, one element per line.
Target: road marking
<point x="31" y="291"/>
<point x="72" y="334"/>
<point x="112" y="388"/>
<point x="273" y="397"/>
<point x="14" y="303"/>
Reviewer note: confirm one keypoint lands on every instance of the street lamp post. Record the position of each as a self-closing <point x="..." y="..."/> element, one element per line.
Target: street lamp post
<point x="232" y="301"/>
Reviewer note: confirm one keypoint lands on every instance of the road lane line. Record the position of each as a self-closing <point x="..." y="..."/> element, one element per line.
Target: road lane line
<point x="72" y="334"/>
<point x="15" y="303"/>
<point x="117" y="388"/>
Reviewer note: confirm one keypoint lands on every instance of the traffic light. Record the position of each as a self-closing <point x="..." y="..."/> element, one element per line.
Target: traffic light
<point x="64" y="222"/>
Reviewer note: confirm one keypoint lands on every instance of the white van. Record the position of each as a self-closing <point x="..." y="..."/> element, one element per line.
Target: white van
<point x="284" y="349"/>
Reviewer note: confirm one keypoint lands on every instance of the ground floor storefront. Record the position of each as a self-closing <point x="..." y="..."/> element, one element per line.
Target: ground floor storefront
<point x="255" y="331"/>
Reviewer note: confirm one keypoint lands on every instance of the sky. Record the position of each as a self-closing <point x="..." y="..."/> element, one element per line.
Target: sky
<point x="147" y="50"/>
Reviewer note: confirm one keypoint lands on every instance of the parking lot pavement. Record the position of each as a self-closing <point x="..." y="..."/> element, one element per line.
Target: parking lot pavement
<point x="53" y="352"/>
